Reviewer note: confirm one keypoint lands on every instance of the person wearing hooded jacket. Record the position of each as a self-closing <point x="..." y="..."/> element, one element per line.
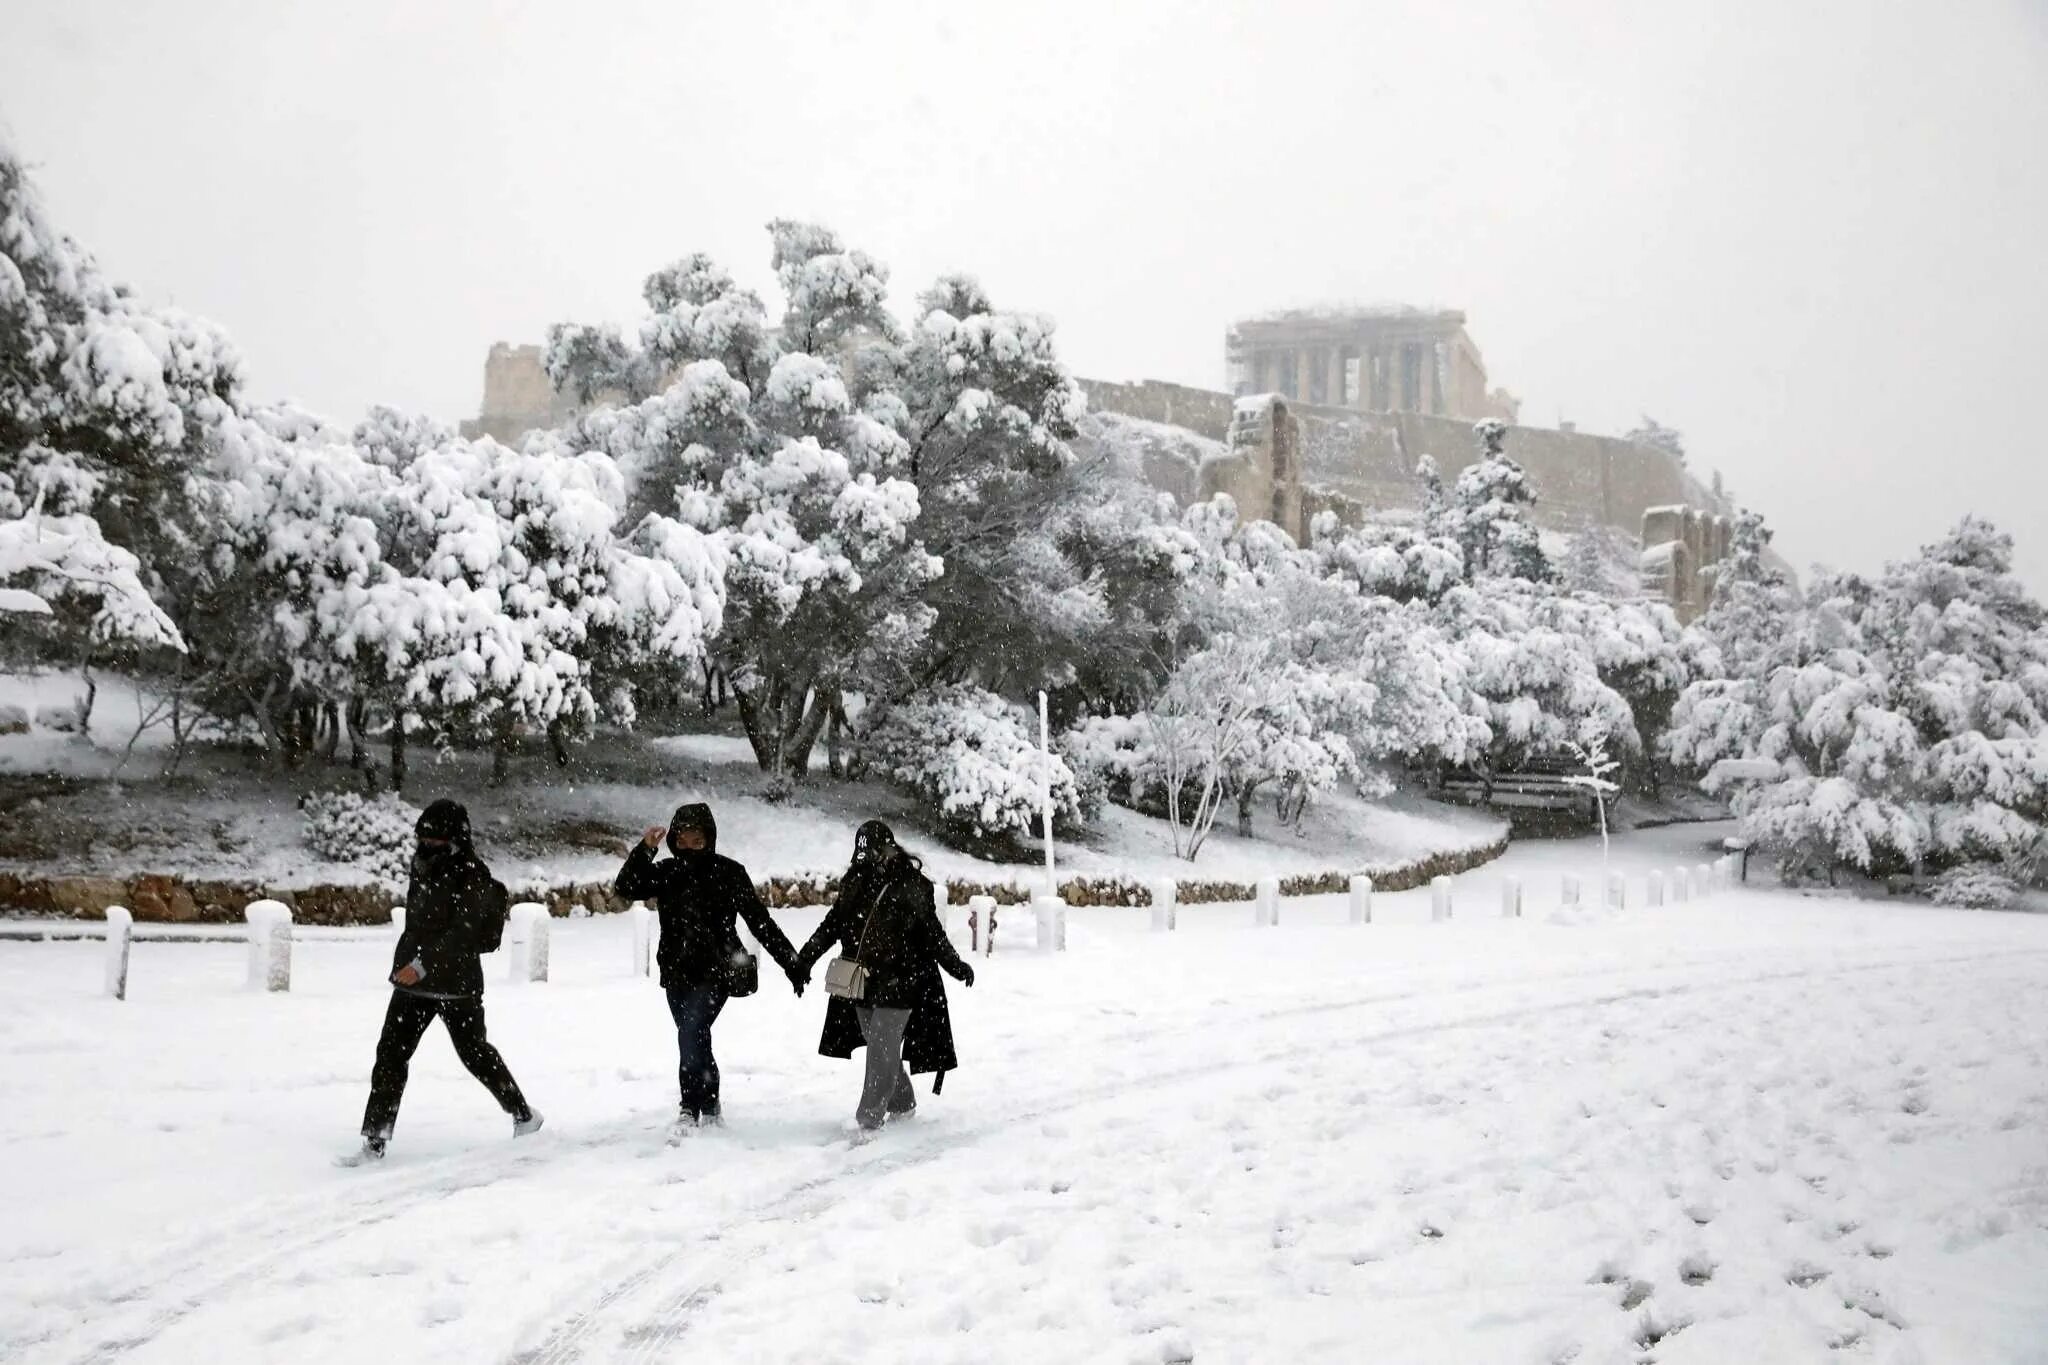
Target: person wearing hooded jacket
<point x="435" y="974"/>
<point x="886" y="919"/>
<point x="698" y="895"/>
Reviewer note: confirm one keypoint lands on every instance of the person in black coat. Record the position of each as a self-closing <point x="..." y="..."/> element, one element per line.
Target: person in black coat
<point x="698" y="894"/>
<point x="886" y="920"/>
<point x="452" y="907"/>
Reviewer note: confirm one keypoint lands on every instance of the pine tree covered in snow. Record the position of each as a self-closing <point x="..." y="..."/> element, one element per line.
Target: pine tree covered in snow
<point x="1486" y="513"/>
<point x="104" y="407"/>
<point x="1907" y="717"/>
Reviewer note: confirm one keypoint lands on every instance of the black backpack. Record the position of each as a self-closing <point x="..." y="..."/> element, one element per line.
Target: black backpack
<point x="493" y="908"/>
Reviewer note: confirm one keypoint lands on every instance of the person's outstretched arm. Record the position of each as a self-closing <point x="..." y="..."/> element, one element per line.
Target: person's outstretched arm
<point x="830" y="930"/>
<point x="764" y="927"/>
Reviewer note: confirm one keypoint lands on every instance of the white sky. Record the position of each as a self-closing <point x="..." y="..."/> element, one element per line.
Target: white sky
<point x="1814" y="237"/>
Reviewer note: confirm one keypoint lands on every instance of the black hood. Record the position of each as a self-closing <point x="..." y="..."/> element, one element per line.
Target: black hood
<point x="445" y="819"/>
<point x="696" y="815"/>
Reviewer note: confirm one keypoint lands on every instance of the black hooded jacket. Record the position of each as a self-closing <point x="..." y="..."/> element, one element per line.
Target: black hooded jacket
<point x="886" y="918"/>
<point x="447" y="898"/>
<point x="699" y="895"/>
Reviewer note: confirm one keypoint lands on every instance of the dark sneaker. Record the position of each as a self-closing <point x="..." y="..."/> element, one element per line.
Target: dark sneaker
<point x="371" y="1150"/>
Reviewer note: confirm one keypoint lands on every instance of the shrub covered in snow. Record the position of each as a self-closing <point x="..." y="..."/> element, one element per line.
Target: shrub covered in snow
<point x="970" y="755"/>
<point x="374" y="833"/>
<point x="1976" y="886"/>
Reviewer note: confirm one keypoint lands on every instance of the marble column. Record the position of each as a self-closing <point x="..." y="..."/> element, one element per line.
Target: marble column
<point x="1333" y="386"/>
<point x="1304" y="366"/>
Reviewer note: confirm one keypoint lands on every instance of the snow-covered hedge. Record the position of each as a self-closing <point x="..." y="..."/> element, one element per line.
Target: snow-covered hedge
<point x="969" y="754"/>
<point x="374" y="834"/>
<point x="1976" y="886"/>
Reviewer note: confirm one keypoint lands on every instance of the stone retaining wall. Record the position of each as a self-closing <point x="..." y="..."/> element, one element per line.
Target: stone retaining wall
<point x="157" y="899"/>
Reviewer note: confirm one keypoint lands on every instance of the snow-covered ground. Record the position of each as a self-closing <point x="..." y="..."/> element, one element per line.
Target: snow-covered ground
<point x="1765" y="1128"/>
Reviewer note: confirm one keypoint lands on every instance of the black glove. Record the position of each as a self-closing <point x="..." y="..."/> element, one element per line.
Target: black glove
<point x="798" y="979"/>
<point x="966" y="975"/>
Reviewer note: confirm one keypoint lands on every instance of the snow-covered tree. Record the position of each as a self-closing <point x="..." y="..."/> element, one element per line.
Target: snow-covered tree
<point x="1487" y="515"/>
<point x="45" y="559"/>
<point x="1657" y="437"/>
<point x="104" y="411"/>
<point x="1906" y="718"/>
<point x="791" y="464"/>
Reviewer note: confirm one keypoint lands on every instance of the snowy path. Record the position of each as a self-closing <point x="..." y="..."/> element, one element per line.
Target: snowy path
<point x="1760" y="1129"/>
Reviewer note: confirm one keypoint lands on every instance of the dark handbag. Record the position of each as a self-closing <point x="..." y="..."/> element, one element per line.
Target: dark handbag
<point x="743" y="973"/>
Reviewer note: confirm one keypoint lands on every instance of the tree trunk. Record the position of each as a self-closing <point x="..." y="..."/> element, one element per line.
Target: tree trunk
<point x="398" y="751"/>
<point x="501" y="749"/>
<point x="835" y="737"/>
<point x="1244" y="809"/>
<point x="758" y="727"/>
<point x="803" y="723"/>
<point x="358" y="716"/>
<point x="330" y="725"/>
<point x="92" y="693"/>
<point x="558" y="746"/>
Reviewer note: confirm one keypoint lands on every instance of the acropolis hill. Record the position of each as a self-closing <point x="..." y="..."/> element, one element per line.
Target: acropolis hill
<point x="1331" y="410"/>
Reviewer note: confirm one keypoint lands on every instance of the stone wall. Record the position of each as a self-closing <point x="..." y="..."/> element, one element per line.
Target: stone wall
<point x="1370" y="457"/>
<point x="518" y="397"/>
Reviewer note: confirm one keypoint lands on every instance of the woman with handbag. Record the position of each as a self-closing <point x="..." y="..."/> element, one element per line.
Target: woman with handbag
<point x="885" y="986"/>
<point x="698" y="894"/>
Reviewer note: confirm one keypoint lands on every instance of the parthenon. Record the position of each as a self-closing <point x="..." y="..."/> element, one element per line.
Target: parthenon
<point x="1370" y="359"/>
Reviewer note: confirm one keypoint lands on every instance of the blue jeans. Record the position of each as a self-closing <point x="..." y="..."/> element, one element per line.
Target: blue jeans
<point x="695" y="1009"/>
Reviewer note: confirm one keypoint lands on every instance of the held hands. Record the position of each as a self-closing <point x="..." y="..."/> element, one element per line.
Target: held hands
<point x="408" y="975"/>
<point x="651" y="836"/>
<point x="798" y="979"/>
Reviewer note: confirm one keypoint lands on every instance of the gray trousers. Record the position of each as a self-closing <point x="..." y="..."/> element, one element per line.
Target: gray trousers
<point x="885" y="1089"/>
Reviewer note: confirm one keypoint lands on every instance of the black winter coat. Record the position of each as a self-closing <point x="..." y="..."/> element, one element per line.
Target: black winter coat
<point x="698" y="895"/>
<point x="903" y="950"/>
<point x="446" y="902"/>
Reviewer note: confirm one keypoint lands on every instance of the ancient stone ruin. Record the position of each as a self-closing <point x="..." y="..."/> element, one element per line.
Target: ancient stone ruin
<point x="1331" y="410"/>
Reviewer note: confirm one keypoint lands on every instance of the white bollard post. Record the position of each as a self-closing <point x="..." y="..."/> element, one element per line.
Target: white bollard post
<point x="981" y="914"/>
<point x="952" y="917"/>
<point x="1052" y="923"/>
<point x="526" y="936"/>
<point x="1681" y="886"/>
<point x="1439" y="899"/>
<point x="1571" y="889"/>
<point x="270" y="945"/>
<point x="1617" y="891"/>
<point x="641" y="918"/>
<point x="398" y="921"/>
<point x="1654" y="893"/>
<point x="1361" y="899"/>
<point x="120" y="935"/>
<point x="1266" y="903"/>
<point x="1165" y="906"/>
<point x="1511" y="898"/>
<point x="1702" y="882"/>
<point x="540" y="929"/>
